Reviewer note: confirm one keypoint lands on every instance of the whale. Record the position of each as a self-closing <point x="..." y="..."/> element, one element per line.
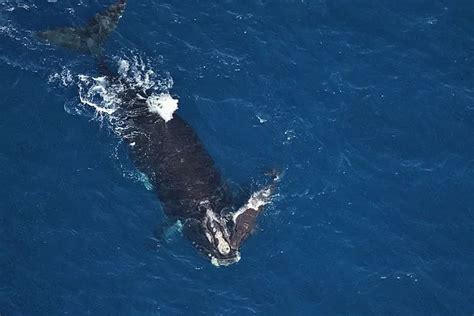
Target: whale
<point x="169" y="152"/>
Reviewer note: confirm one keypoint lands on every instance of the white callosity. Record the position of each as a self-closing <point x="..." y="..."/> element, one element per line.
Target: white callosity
<point x="216" y="262"/>
<point x="222" y="245"/>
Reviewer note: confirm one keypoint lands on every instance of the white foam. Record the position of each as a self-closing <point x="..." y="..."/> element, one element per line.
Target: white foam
<point x="99" y="109"/>
<point x="99" y="95"/>
<point x="104" y="96"/>
<point x="259" y="198"/>
<point x="65" y="77"/>
<point x="163" y="104"/>
<point x="123" y="67"/>
<point x="256" y="201"/>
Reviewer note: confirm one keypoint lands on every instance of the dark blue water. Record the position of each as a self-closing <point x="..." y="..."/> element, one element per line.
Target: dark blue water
<point x="367" y="105"/>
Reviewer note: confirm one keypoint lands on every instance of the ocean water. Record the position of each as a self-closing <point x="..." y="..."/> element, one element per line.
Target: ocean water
<point x="367" y="106"/>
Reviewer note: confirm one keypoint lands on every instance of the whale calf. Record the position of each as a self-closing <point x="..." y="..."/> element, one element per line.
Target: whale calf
<point x="170" y="153"/>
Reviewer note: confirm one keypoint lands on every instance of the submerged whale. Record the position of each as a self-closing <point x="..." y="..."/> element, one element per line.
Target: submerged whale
<point x="170" y="153"/>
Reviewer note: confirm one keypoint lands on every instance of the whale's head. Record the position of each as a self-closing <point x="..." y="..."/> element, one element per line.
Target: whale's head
<point x="243" y="223"/>
<point x="213" y="238"/>
<point x="219" y="236"/>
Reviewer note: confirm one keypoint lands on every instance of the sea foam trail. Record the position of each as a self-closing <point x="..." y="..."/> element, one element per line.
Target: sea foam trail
<point x="103" y="96"/>
<point x="100" y="98"/>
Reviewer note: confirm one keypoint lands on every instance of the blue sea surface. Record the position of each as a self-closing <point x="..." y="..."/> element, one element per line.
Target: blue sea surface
<point x="367" y="107"/>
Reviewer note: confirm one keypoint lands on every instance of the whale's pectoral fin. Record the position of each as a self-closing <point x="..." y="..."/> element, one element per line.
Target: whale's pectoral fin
<point x="168" y="231"/>
<point x="91" y="38"/>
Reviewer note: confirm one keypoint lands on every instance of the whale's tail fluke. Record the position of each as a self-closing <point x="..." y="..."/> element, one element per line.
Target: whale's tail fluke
<point x="90" y="38"/>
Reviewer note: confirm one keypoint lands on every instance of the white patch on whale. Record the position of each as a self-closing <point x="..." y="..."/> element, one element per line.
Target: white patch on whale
<point x="222" y="245"/>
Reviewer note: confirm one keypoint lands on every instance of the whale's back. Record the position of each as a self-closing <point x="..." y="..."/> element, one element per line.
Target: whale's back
<point x="172" y="156"/>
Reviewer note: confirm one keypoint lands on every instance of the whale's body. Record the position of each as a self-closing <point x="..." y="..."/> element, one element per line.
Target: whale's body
<point x="176" y="162"/>
<point x="172" y="156"/>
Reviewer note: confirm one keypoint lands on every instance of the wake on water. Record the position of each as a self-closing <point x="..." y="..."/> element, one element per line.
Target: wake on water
<point x="99" y="97"/>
